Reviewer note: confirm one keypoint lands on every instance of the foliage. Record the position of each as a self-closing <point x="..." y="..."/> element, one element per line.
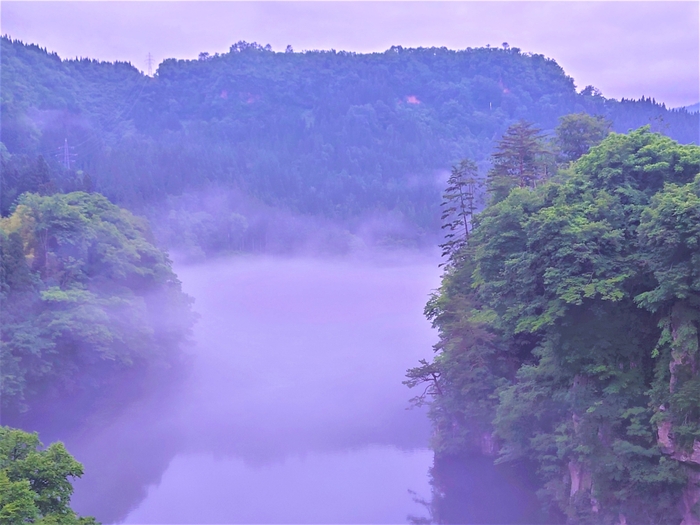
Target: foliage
<point x="569" y="333"/>
<point x="458" y="206"/>
<point x="34" y="484"/>
<point x="518" y="161"/>
<point x="331" y="134"/>
<point x="83" y="294"/>
<point x="578" y="133"/>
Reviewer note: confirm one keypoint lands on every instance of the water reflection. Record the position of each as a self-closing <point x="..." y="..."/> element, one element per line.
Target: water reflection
<point x="293" y="402"/>
<point x="471" y="489"/>
<point x="367" y="485"/>
<point x="290" y="409"/>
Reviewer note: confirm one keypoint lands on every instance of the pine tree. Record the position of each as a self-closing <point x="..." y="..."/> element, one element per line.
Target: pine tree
<point x="519" y="161"/>
<point x="459" y="205"/>
<point x="39" y="179"/>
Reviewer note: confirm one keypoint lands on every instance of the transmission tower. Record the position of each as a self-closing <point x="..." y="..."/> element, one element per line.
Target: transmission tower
<point x="149" y="62"/>
<point x="66" y="155"/>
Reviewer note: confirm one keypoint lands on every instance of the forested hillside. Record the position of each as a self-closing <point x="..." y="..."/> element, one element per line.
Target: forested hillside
<point x="569" y="308"/>
<point x="568" y="317"/>
<point x="91" y="316"/>
<point x="336" y="135"/>
<point x="87" y="304"/>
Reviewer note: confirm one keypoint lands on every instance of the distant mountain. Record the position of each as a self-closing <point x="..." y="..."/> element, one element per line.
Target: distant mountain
<point x="695" y="108"/>
<point x="338" y="135"/>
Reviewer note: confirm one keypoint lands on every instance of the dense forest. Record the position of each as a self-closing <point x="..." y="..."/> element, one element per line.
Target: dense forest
<point x="568" y="318"/>
<point x="84" y="296"/>
<point x="215" y="149"/>
<point x="568" y="312"/>
<point x="91" y="313"/>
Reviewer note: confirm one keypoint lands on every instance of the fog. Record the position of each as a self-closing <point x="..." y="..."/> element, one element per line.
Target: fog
<point x="292" y="408"/>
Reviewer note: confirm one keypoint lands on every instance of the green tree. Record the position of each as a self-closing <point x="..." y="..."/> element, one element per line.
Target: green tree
<point x="518" y="162"/>
<point x="328" y="134"/>
<point x="458" y="207"/>
<point x="579" y="132"/>
<point x="84" y="293"/>
<point x="588" y="292"/>
<point x="35" y="484"/>
<point x="40" y="178"/>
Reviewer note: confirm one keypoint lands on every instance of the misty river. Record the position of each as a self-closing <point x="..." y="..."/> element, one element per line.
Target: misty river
<point x="293" y="410"/>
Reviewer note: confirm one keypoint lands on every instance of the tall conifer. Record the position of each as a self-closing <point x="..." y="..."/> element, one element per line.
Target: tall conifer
<point x="458" y="206"/>
<point x="519" y="160"/>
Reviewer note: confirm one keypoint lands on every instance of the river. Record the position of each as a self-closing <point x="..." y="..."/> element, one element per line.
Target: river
<point x="293" y="409"/>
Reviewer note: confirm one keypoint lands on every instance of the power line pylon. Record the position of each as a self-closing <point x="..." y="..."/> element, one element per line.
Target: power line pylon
<point x="149" y="62"/>
<point x="66" y="155"/>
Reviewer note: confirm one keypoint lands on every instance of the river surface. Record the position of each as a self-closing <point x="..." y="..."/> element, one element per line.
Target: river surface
<point x="293" y="410"/>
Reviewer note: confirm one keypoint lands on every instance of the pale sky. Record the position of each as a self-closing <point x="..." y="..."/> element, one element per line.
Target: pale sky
<point x="624" y="48"/>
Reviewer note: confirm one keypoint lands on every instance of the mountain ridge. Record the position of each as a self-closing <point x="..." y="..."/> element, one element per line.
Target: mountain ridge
<point x="330" y="134"/>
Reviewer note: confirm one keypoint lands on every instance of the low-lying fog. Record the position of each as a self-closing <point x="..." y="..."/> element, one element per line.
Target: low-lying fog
<point x="294" y="409"/>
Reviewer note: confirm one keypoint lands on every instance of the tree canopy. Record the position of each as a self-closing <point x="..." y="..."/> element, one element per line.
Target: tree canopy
<point x="569" y="334"/>
<point x="460" y="202"/>
<point x="328" y="134"/>
<point x="577" y="133"/>
<point x="84" y="293"/>
<point x="34" y="482"/>
<point x="519" y="160"/>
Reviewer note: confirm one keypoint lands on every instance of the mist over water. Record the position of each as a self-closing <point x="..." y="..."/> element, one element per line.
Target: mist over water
<point x="293" y="409"/>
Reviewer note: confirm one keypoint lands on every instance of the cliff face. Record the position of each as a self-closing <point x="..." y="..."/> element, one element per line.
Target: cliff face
<point x="588" y="287"/>
<point x="683" y="370"/>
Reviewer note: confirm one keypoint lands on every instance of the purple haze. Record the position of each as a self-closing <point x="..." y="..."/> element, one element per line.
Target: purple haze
<point x="294" y="409"/>
<point x="626" y="49"/>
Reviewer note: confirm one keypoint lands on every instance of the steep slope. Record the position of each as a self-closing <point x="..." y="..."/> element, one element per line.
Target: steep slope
<point x="332" y="134"/>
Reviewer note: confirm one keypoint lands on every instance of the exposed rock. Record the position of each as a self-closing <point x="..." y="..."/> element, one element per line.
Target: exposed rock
<point x="576" y="420"/>
<point x="664" y="438"/>
<point x="668" y="446"/>
<point x="580" y="478"/>
<point x="489" y="446"/>
<point x="683" y="353"/>
<point x="692" y="456"/>
<point x="691" y="496"/>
